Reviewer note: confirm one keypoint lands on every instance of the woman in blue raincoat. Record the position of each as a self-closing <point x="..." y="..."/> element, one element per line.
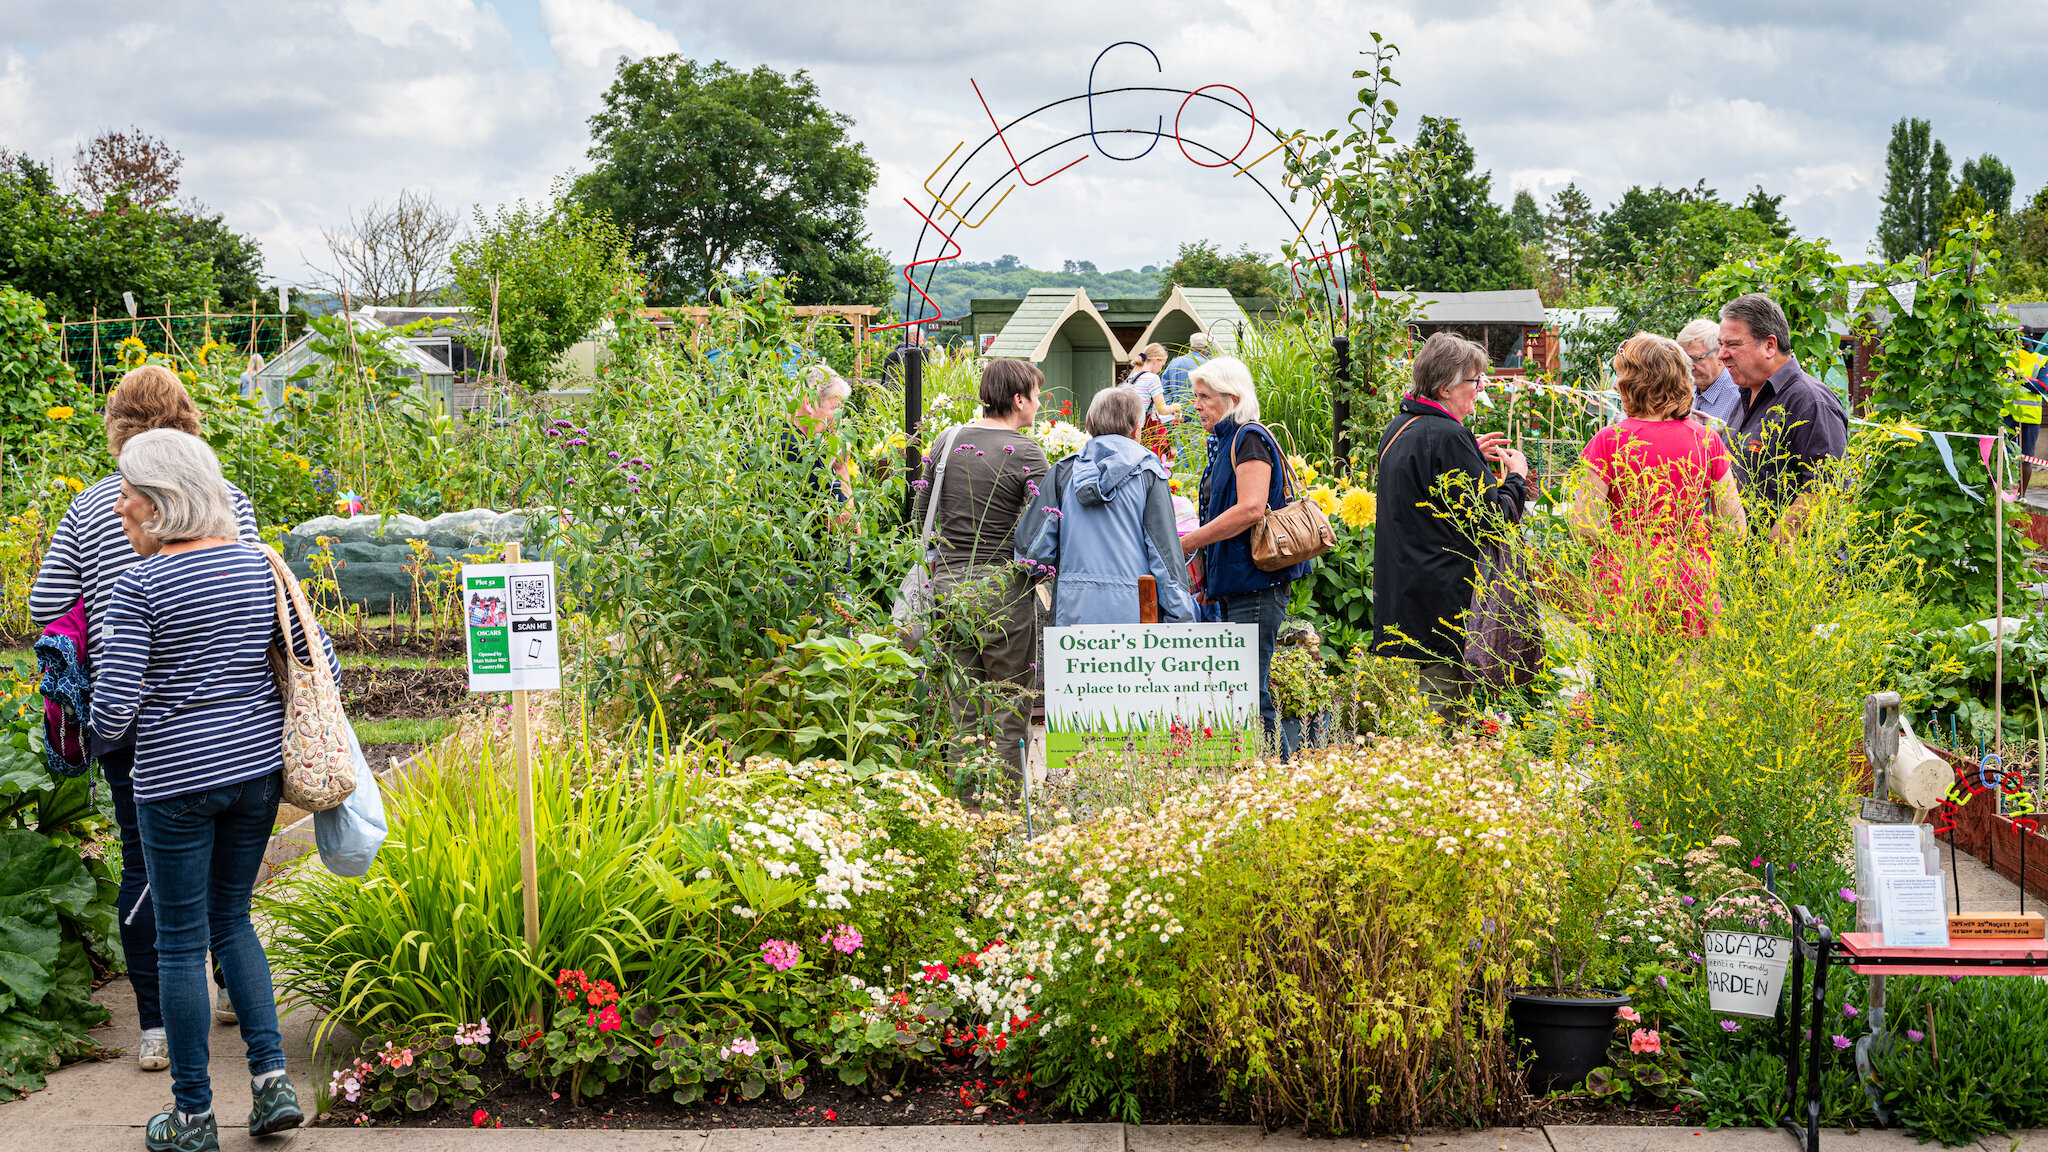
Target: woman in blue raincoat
<point x="1105" y="520"/>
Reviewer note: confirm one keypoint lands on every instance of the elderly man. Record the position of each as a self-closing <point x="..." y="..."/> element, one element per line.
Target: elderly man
<point x="1714" y="392"/>
<point x="1788" y="424"/>
<point x="810" y="442"/>
<point x="1175" y="378"/>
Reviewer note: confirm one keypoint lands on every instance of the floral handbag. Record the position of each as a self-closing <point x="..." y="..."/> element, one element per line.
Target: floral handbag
<point x="319" y="762"/>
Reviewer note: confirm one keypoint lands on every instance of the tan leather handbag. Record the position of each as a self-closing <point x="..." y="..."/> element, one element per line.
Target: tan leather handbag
<point x="1294" y="533"/>
<point x="319" y="760"/>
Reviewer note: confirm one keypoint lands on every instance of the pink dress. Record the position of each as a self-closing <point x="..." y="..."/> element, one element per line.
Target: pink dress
<point x="1660" y="476"/>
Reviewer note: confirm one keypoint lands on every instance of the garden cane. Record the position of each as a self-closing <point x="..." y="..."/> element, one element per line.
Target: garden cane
<point x="522" y="756"/>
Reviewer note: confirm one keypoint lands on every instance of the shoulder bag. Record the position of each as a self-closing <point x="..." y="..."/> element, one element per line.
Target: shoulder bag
<point x="319" y="756"/>
<point x="1297" y="531"/>
<point x="914" y="594"/>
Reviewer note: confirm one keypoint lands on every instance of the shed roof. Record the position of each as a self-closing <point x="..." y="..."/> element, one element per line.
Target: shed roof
<point x="2030" y="313"/>
<point x="1213" y="310"/>
<point x="1039" y="317"/>
<point x="413" y="361"/>
<point x="1509" y="306"/>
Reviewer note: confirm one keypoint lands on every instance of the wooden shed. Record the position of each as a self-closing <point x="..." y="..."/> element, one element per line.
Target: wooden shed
<point x="1062" y="331"/>
<point x="1498" y="321"/>
<point x="1191" y="310"/>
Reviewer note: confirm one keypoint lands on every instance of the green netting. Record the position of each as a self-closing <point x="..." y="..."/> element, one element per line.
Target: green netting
<point x="92" y="347"/>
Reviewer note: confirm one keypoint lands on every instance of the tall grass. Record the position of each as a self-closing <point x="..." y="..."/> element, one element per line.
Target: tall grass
<point x="1290" y="367"/>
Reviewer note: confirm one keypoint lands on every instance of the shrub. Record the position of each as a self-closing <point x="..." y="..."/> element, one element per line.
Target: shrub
<point x="1336" y="939"/>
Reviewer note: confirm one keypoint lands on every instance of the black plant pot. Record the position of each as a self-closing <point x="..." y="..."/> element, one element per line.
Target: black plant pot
<point x="1299" y="732"/>
<point x="1568" y="1034"/>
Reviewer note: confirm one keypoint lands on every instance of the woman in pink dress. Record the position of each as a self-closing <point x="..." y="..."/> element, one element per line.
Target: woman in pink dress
<point x="1655" y="484"/>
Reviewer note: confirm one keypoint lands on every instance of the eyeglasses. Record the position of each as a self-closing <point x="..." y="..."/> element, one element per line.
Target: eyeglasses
<point x="1698" y="358"/>
<point x="1475" y="381"/>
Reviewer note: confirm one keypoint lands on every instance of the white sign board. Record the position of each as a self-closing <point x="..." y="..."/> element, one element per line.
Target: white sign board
<point x="1138" y="677"/>
<point x="509" y="620"/>
<point x="1745" y="972"/>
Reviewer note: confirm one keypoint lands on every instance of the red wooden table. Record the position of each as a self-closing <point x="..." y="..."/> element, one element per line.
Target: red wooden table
<point x="1865" y="954"/>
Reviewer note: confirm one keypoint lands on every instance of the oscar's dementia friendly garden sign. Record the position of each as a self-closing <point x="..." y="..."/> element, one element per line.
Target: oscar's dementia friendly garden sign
<point x="509" y="618"/>
<point x="1137" y="677"/>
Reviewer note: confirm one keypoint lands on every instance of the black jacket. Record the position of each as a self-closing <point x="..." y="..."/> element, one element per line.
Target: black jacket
<point x="1436" y="499"/>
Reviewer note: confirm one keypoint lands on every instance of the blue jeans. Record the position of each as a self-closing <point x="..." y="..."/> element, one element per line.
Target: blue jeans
<point x="204" y="850"/>
<point x="1267" y="609"/>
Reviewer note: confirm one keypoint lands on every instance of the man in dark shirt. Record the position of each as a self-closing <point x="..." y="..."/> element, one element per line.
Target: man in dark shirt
<point x="892" y="364"/>
<point x="1788" y="425"/>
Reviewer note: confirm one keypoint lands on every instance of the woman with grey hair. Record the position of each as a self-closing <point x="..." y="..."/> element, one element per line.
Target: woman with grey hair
<point x="1435" y="496"/>
<point x="185" y="670"/>
<point x="1109" y="522"/>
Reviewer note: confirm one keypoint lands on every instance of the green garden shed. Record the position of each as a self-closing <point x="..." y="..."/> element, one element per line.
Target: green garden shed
<point x="1062" y="331"/>
<point x="1191" y="310"/>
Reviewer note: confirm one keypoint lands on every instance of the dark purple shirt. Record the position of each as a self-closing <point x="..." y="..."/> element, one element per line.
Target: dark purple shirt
<point x="1783" y="433"/>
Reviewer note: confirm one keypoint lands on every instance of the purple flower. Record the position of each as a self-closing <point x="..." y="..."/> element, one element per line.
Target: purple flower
<point x="962" y="448"/>
<point x="1031" y="486"/>
<point x="613" y="455"/>
<point x="563" y="424"/>
<point x="1915" y="1035"/>
<point x="979" y="452"/>
<point x="1757" y="862"/>
<point x="1010" y="449"/>
<point x="1843" y="1041"/>
<point x="781" y="955"/>
<point x="1849" y="894"/>
<point x="1730" y="1026"/>
<point x="1663" y="983"/>
<point x="1688" y="901"/>
<point x="1848" y="1009"/>
<point x="552" y="433"/>
<point x="920" y="484"/>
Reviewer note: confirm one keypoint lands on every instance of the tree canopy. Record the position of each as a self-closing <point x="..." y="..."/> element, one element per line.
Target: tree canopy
<point x="77" y="253"/>
<point x="1988" y="176"/>
<point x="1454" y="238"/>
<point x="712" y="170"/>
<point x="1200" y="264"/>
<point x="559" y="269"/>
<point x="1916" y="188"/>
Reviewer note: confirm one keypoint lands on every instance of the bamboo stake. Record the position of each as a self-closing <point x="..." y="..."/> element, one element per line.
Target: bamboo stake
<point x="522" y="757"/>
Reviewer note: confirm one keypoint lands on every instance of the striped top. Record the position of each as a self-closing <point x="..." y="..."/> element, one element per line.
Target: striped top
<point x="183" y="666"/>
<point x="88" y="553"/>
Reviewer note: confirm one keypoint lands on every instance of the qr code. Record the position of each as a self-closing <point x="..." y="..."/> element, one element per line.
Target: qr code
<point x="529" y="594"/>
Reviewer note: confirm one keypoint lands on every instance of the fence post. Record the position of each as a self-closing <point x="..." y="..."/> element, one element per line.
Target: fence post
<point x="1340" y="405"/>
<point x="913" y="415"/>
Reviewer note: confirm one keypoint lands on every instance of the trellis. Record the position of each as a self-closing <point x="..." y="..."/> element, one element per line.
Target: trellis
<point x="92" y="347"/>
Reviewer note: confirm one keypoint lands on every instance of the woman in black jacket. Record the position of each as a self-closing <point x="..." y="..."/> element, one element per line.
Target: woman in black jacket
<point x="1436" y="495"/>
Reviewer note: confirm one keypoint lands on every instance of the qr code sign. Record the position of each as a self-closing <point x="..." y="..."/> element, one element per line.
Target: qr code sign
<point x="529" y="594"/>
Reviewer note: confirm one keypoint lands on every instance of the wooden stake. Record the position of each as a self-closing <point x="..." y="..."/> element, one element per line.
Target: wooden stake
<point x="522" y="756"/>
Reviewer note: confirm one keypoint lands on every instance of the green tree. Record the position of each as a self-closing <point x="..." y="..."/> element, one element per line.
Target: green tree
<point x="1526" y="217"/>
<point x="1916" y="187"/>
<point x="1455" y="239"/>
<point x="33" y="375"/>
<point x="1764" y="207"/>
<point x="77" y="258"/>
<point x="1202" y="265"/>
<point x="710" y="169"/>
<point x="1964" y="206"/>
<point x="1992" y="180"/>
<point x="1568" y="230"/>
<point x="559" y="270"/>
<point x="1642" y="218"/>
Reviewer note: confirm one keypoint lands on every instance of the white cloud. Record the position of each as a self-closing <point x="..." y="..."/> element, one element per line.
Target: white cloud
<point x="291" y="115"/>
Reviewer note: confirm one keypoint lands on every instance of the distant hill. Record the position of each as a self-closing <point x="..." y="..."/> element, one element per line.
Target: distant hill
<point x="955" y="282"/>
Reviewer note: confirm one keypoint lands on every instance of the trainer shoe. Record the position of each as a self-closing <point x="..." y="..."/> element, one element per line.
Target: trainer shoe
<point x="165" y="1134"/>
<point x="223" y="1006"/>
<point x="154" y="1052"/>
<point x="276" y="1108"/>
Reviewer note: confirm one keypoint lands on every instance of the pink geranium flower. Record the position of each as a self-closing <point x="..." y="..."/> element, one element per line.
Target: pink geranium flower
<point x="1629" y="1014"/>
<point x="1645" y="1040"/>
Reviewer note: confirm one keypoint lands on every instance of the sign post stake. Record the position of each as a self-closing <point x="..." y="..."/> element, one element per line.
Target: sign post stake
<point x="522" y="757"/>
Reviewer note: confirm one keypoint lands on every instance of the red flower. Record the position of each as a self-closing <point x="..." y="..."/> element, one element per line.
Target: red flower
<point x="608" y="1020"/>
<point x="479" y="1118"/>
<point x="901" y="999"/>
<point x="831" y="1115"/>
<point x="936" y="972"/>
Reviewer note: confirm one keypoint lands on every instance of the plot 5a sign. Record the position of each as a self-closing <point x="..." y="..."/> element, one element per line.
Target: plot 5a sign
<point x="510" y="621"/>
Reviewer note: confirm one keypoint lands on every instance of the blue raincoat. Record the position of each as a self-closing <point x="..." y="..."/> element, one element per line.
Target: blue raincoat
<point x="1105" y="520"/>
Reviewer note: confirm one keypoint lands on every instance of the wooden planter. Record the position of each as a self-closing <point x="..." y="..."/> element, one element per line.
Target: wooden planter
<point x="2036" y="533"/>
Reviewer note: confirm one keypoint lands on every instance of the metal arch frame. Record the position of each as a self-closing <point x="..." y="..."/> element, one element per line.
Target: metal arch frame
<point x="1158" y="131"/>
<point x="1338" y="276"/>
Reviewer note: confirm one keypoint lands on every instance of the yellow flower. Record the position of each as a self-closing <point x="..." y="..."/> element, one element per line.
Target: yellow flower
<point x="1357" y="508"/>
<point x="1325" y="498"/>
<point x="68" y="482"/>
<point x="60" y="412"/>
<point x="1305" y="471"/>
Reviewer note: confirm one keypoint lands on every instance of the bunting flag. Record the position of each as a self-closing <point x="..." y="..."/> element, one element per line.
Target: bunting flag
<point x="1857" y="288"/>
<point x="1905" y="294"/>
<point x="1948" y="461"/>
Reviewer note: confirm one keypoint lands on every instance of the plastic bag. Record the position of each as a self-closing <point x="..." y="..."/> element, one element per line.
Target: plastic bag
<point x="350" y="833"/>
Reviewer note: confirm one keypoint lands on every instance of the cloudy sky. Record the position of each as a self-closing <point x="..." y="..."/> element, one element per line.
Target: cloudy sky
<point x="290" y="113"/>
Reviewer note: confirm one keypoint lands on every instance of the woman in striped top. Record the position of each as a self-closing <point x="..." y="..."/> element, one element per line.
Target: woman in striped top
<point x="183" y="666"/>
<point x="87" y="554"/>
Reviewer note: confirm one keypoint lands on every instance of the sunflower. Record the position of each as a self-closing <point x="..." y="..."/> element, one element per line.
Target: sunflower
<point x="1357" y="507"/>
